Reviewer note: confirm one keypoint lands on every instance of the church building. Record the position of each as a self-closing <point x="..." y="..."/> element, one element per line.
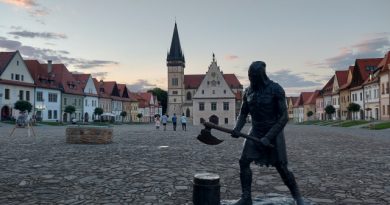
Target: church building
<point x="213" y="96"/>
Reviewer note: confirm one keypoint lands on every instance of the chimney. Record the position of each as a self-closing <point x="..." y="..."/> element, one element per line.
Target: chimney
<point x="49" y="66"/>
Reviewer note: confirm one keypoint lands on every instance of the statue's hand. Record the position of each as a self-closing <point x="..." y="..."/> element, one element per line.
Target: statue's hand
<point x="265" y="142"/>
<point x="235" y="134"/>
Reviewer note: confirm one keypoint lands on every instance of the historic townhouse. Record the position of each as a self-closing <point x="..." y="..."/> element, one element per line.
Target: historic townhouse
<point x="339" y="81"/>
<point x="72" y="92"/>
<point x="134" y="106"/>
<point x="183" y="88"/>
<point x="126" y="102"/>
<point x="345" y="95"/>
<point x="90" y="95"/>
<point x="290" y="106"/>
<point x="327" y="96"/>
<point x="384" y="78"/>
<point x="309" y="104"/>
<point x="104" y="98"/>
<point x="298" y="110"/>
<point x="363" y="68"/>
<point x="371" y="97"/>
<point x="16" y="83"/>
<point x="148" y="106"/>
<point x="320" y="106"/>
<point x="47" y="92"/>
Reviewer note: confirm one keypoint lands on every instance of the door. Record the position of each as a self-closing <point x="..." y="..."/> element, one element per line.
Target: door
<point x="5" y="113"/>
<point x="214" y="119"/>
<point x="86" y="117"/>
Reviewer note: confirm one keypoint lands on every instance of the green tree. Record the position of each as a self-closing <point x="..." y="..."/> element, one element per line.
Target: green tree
<point x="23" y="106"/>
<point x="329" y="109"/>
<point x="353" y="107"/>
<point x="123" y="114"/>
<point x="139" y="115"/>
<point x="309" y="114"/>
<point x="162" y="96"/>
<point x="70" y="109"/>
<point x="98" y="111"/>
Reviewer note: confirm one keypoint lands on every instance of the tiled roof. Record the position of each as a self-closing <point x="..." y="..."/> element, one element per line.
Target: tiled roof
<point x="313" y="97"/>
<point x="65" y="79"/>
<point x="347" y="84"/>
<point x="385" y="61"/>
<point x="13" y="82"/>
<point x="327" y="89"/>
<point x="363" y="65"/>
<point x="299" y="101"/>
<point x="40" y="75"/>
<point x="306" y="97"/>
<point x="293" y="99"/>
<point x="5" y="58"/>
<point x="194" y="81"/>
<point x="82" y="80"/>
<point x="123" y="92"/>
<point x="342" y="77"/>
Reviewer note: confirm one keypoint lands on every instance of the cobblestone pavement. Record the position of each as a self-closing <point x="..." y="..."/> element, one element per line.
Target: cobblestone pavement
<point x="148" y="166"/>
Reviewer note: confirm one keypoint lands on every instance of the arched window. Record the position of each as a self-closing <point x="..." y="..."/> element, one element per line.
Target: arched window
<point x="188" y="112"/>
<point x="189" y="96"/>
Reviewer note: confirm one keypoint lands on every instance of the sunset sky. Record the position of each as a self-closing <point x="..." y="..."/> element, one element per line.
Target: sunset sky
<point x="302" y="42"/>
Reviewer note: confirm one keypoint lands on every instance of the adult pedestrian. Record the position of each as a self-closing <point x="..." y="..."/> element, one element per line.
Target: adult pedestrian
<point x="183" y="121"/>
<point x="174" y="121"/>
<point x="164" y="120"/>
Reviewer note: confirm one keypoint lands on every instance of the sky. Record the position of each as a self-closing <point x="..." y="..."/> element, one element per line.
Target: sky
<point x="302" y="42"/>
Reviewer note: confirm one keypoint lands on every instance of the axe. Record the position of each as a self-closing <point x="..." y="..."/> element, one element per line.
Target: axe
<point x="206" y="137"/>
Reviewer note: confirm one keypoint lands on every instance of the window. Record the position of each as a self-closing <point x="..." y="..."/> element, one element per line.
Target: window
<point x="224" y="91"/>
<point x="22" y="77"/>
<point x="189" y="97"/>
<point x="39" y="96"/>
<point x="213" y="91"/>
<point x="383" y="88"/>
<point x="28" y="95"/>
<point x="225" y="105"/>
<point x="49" y="114"/>
<point x="6" y="94"/>
<point x="52" y="97"/>
<point x="75" y="102"/>
<point x="388" y="109"/>
<point x="174" y="92"/>
<point x="387" y="87"/>
<point x="21" y="94"/>
<point x="213" y="106"/>
<point x="383" y="109"/>
<point x="17" y="63"/>
<point x="17" y="77"/>
<point x="202" y="91"/>
<point x="174" y="99"/>
<point x="175" y="81"/>
<point x="361" y="96"/>
<point x="86" y="103"/>
<point x="65" y="101"/>
<point x="201" y="106"/>
<point x="55" y="114"/>
<point x="80" y="101"/>
<point x="12" y="76"/>
<point x="226" y="120"/>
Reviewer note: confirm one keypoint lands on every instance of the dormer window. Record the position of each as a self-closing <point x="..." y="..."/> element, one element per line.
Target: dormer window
<point x="102" y="90"/>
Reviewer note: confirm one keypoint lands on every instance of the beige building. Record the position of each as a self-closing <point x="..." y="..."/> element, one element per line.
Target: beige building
<point x="345" y="96"/>
<point x="384" y="78"/>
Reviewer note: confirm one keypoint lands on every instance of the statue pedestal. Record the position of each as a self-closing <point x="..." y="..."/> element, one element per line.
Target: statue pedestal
<point x="270" y="199"/>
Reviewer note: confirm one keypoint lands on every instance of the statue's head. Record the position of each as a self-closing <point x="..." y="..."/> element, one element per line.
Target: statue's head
<point x="257" y="75"/>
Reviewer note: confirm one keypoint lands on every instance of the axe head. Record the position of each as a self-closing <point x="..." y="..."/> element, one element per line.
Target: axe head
<point x="206" y="137"/>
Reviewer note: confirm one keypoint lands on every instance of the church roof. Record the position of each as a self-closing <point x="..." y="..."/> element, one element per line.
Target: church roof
<point x="175" y="53"/>
<point x="194" y="81"/>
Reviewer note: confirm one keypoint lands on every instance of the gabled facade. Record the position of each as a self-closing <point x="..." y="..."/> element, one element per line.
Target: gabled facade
<point x="126" y="102"/>
<point x="384" y="78"/>
<point x="16" y="83"/>
<point x="339" y="81"/>
<point x="327" y="96"/>
<point x="47" y="93"/>
<point x="345" y="95"/>
<point x="91" y="99"/>
<point x="298" y="110"/>
<point x="104" y="97"/>
<point x="214" y="101"/>
<point x="290" y="106"/>
<point x="371" y="97"/>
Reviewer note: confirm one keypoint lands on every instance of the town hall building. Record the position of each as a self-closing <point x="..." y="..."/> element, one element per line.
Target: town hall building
<point x="213" y="96"/>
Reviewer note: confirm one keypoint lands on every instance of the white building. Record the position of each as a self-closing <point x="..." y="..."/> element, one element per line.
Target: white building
<point x="47" y="93"/>
<point x="384" y="79"/>
<point x="91" y="99"/>
<point x="371" y="97"/>
<point x="16" y="83"/>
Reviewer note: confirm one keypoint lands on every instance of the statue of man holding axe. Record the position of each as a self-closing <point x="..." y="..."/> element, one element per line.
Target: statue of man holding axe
<point x="265" y="101"/>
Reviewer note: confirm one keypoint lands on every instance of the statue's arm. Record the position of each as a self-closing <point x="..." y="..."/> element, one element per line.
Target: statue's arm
<point x="244" y="111"/>
<point x="282" y="115"/>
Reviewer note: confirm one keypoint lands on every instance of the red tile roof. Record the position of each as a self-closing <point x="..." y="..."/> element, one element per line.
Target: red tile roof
<point x="385" y="61"/>
<point x="293" y="99"/>
<point x="342" y="77"/>
<point x="40" y="75"/>
<point x="362" y="72"/>
<point x="65" y="79"/>
<point x="194" y="81"/>
<point x="82" y="80"/>
<point x="327" y="89"/>
<point x="347" y="84"/>
<point x="313" y="97"/>
<point x="123" y="91"/>
<point x="5" y="58"/>
<point x="306" y="97"/>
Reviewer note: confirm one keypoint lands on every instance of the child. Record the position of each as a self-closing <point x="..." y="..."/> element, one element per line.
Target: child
<point x="157" y="122"/>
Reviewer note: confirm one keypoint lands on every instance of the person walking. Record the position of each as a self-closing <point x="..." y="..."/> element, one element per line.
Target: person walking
<point x="164" y="120"/>
<point x="157" y="122"/>
<point x="174" y="121"/>
<point x="183" y="120"/>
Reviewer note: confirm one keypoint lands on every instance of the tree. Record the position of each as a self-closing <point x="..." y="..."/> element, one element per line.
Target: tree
<point x="70" y="109"/>
<point x="23" y="106"/>
<point x="139" y="115"/>
<point x="309" y="114"/>
<point x="162" y="96"/>
<point x="329" y="109"/>
<point x="98" y="111"/>
<point x="123" y="114"/>
<point x="353" y="107"/>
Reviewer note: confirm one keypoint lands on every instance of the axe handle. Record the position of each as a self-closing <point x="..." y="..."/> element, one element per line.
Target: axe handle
<point x="230" y="131"/>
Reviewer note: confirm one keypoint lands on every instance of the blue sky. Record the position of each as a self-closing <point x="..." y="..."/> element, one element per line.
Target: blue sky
<point x="302" y="42"/>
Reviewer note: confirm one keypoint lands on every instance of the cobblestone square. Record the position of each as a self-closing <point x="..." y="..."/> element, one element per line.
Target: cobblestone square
<point x="149" y="166"/>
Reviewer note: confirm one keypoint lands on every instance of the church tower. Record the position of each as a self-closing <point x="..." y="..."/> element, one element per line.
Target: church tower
<point x="175" y="64"/>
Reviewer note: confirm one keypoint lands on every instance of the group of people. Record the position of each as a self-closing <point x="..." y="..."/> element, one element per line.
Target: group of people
<point x="164" y="121"/>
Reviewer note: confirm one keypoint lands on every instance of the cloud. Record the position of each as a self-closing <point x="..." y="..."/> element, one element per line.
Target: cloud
<point x="57" y="56"/>
<point x="21" y="3"/>
<point x="140" y="85"/>
<point x="288" y="79"/>
<point x="231" y="57"/>
<point x="45" y="35"/>
<point x="31" y="6"/>
<point x="373" y="46"/>
<point x="100" y="75"/>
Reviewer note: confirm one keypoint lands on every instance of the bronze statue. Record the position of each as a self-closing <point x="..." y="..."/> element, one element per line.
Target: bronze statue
<point x="265" y="101"/>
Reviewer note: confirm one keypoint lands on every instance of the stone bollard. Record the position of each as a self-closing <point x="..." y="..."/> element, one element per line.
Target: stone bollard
<point x="206" y="189"/>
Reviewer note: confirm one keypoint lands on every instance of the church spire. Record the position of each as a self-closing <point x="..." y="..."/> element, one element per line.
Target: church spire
<point x="175" y="55"/>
